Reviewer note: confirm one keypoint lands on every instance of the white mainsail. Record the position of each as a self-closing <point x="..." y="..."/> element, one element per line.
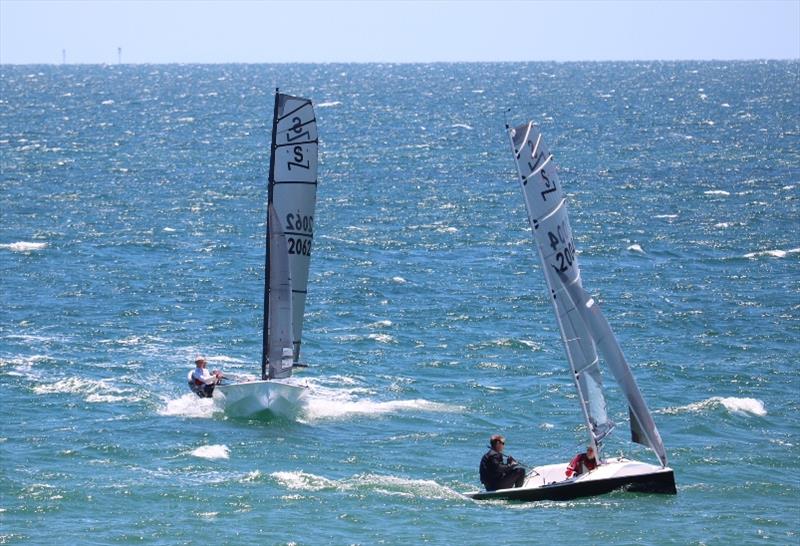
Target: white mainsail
<point x="293" y="195"/>
<point x="279" y="314"/>
<point x="583" y="327"/>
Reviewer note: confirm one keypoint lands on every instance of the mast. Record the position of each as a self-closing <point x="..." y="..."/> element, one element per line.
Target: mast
<point x="270" y="184"/>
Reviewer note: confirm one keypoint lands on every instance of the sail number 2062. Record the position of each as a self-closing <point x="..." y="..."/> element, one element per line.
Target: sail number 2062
<point x="299" y="231"/>
<point x="566" y="256"/>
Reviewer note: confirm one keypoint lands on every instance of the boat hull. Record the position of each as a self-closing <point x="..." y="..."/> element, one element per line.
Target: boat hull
<point x="280" y="397"/>
<point x="548" y="483"/>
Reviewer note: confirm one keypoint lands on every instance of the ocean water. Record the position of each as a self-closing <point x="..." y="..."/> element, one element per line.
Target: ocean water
<point x="132" y="208"/>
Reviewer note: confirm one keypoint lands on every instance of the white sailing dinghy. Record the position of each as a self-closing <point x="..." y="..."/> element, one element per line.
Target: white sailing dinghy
<point x="291" y="198"/>
<point x="584" y="331"/>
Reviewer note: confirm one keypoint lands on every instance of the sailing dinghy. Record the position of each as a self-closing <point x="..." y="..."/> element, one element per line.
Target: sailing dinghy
<point x="291" y="198"/>
<point x="584" y="332"/>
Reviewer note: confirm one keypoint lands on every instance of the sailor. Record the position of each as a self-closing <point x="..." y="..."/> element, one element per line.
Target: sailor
<point x="495" y="474"/>
<point x="582" y="463"/>
<point x="201" y="381"/>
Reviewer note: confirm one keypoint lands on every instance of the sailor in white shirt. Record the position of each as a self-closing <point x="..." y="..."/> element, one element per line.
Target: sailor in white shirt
<point x="202" y="382"/>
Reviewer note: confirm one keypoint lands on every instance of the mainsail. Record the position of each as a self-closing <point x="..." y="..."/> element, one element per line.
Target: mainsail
<point x="293" y="195"/>
<point x="279" y="312"/>
<point x="583" y="327"/>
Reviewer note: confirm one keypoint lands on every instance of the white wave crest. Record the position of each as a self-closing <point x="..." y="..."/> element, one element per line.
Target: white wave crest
<point x="772" y="253"/>
<point x="741" y="406"/>
<point x="216" y="451"/>
<point x="721" y="193"/>
<point x="399" y="280"/>
<point x="329" y="104"/>
<point x="330" y="403"/>
<point x="636" y="248"/>
<point x="24" y="246"/>
<point x="304" y="481"/>
<point x="461" y="126"/>
<point x="190" y="405"/>
<point x="102" y="390"/>
<point x="386" y="485"/>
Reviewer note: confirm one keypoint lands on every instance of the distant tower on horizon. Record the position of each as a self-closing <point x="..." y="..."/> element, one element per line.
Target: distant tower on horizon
<point x="119" y="55"/>
<point x="63" y="56"/>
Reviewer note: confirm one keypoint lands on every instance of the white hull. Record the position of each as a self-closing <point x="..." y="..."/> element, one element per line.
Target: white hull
<point x="279" y="396"/>
<point x="549" y="482"/>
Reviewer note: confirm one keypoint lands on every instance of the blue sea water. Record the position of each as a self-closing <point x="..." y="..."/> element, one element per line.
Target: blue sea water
<point x="132" y="208"/>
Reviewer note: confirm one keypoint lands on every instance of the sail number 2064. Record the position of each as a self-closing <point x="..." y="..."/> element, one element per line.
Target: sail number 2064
<point x="566" y="256"/>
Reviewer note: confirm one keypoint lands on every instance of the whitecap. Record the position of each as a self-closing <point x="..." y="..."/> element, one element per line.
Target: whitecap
<point x="772" y="253"/>
<point x="399" y="280"/>
<point x="169" y="229"/>
<point x="741" y="406"/>
<point x="304" y="481"/>
<point x="382" y="338"/>
<point x="328" y="104"/>
<point x="380" y="324"/>
<point x="461" y="126"/>
<point x="328" y="403"/>
<point x="215" y="451"/>
<point x="721" y="193"/>
<point x="189" y="405"/>
<point x="107" y="102"/>
<point x="636" y="248"/>
<point x="23" y="246"/>
<point x="386" y="485"/>
<point x="666" y="216"/>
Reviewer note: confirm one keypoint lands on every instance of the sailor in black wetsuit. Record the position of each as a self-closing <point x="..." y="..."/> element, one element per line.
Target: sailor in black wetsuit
<point x="495" y="474"/>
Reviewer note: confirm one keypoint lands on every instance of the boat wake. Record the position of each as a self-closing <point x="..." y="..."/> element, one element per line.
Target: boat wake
<point x="383" y="485"/>
<point x="740" y="406"/>
<point x="189" y="405"/>
<point x="323" y="403"/>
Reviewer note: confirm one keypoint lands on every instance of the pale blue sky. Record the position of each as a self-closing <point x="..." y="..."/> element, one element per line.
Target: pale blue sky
<point x="153" y="31"/>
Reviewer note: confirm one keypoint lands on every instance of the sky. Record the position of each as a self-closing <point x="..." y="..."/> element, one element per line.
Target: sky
<point x="187" y="31"/>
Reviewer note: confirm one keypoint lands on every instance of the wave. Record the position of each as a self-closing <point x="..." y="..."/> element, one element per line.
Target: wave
<point x="216" y="451"/>
<point x="328" y="104"/>
<point x="386" y="485"/>
<point x="190" y="405"/>
<point x="461" y="126"/>
<point x="741" y="406"/>
<point x="23" y="246"/>
<point x="100" y="390"/>
<point x="332" y="403"/>
<point x="636" y="248"/>
<point x="721" y="193"/>
<point x="772" y="253"/>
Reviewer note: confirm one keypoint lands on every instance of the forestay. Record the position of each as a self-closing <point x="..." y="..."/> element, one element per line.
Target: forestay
<point x="582" y="325"/>
<point x="293" y="193"/>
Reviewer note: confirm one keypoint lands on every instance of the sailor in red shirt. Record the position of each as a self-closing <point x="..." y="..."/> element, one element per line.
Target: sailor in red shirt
<point x="583" y="462"/>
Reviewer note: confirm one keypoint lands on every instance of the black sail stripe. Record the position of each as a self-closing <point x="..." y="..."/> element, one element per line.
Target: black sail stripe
<point x="312" y="120"/>
<point x="286" y="115"/>
<point x="285" y="144"/>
